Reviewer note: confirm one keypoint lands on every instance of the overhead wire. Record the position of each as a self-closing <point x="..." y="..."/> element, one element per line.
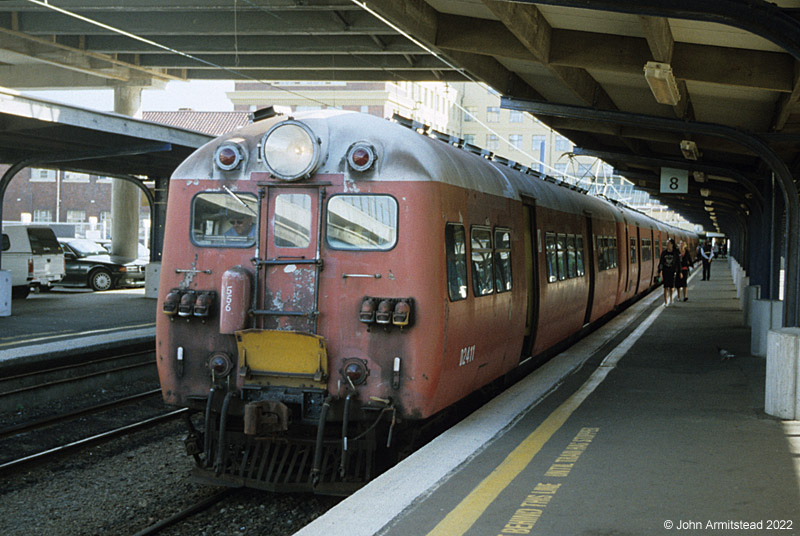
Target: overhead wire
<point x="77" y="16"/>
<point x="239" y="74"/>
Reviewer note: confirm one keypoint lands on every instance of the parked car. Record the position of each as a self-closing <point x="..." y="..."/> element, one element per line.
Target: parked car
<point x="34" y="257"/>
<point x="88" y="264"/>
<point x="142" y="251"/>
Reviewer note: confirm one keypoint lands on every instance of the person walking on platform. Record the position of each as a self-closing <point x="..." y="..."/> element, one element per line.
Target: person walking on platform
<point x="668" y="267"/>
<point x="706" y="256"/>
<point x="683" y="273"/>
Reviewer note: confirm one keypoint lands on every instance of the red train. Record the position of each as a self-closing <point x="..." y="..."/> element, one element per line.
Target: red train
<point x="330" y="277"/>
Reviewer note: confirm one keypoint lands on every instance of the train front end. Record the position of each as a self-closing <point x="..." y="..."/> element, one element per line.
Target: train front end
<point x="288" y="309"/>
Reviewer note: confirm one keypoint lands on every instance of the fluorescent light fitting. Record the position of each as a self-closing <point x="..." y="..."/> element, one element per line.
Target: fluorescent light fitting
<point x="662" y="82"/>
<point x="705" y="192"/>
<point x="690" y="150"/>
<point x="699" y="176"/>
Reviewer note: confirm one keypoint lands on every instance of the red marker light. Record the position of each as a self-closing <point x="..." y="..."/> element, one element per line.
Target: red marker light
<point x="227" y="156"/>
<point x="360" y="157"/>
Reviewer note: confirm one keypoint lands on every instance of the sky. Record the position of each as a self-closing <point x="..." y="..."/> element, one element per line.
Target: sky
<point x="199" y="95"/>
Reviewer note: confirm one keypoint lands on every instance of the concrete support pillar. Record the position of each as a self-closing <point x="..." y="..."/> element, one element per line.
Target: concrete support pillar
<point x="751" y="293"/>
<point x="158" y="218"/>
<point x="125" y="196"/>
<point x="741" y="283"/>
<point x="5" y="292"/>
<point x="765" y="315"/>
<point x="783" y="353"/>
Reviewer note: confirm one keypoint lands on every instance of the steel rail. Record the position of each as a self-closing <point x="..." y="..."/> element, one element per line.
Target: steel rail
<point x="40" y="457"/>
<point x="41" y="423"/>
<point x="186" y="512"/>
<point x="72" y="366"/>
<point x="75" y="379"/>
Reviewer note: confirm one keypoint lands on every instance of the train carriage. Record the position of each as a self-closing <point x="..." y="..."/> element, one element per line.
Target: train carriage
<point x="331" y="278"/>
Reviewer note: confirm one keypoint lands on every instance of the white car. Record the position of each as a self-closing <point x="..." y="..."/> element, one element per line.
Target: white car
<point x="34" y="257"/>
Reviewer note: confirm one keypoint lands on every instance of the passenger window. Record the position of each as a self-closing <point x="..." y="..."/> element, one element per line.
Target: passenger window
<point x="482" y="283"/>
<point x="572" y="262"/>
<point x="222" y="219"/>
<point x="633" y="250"/>
<point x="646" y="249"/>
<point x="362" y="222"/>
<point x="613" y="253"/>
<point x="502" y="260"/>
<point x="292" y="221"/>
<point x="552" y="271"/>
<point x="579" y="255"/>
<point x="455" y="240"/>
<point x="561" y="250"/>
<point x="601" y="253"/>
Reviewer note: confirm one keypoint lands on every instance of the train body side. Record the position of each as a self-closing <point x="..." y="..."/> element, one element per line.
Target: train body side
<point x="492" y="266"/>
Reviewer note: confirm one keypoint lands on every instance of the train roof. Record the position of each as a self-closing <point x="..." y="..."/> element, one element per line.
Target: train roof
<point x="406" y="151"/>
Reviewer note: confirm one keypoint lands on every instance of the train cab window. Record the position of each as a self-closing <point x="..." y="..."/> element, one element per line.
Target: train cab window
<point x="362" y="222"/>
<point x="572" y="261"/>
<point x="579" y="256"/>
<point x="224" y="219"/>
<point x="292" y="221"/>
<point x="455" y="241"/>
<point x="561" y="252"/>
<point x="550" y="244"/>
<point x="502" y="260"/>
<point x="482" y="273"/>
<point x="633" y="250"/>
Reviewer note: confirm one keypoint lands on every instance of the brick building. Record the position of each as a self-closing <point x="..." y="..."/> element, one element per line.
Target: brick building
<point x="55" y="196"/>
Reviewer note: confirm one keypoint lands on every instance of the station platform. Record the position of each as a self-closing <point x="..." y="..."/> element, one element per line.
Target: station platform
<point x="641" y="428"/>
<point x="64" y="321"/>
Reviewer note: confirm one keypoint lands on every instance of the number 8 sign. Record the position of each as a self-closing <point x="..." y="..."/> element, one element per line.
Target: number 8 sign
<point x="674" y="181"/>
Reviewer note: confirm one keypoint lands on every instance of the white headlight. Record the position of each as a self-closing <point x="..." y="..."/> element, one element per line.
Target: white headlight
<point x="290" y="150"/>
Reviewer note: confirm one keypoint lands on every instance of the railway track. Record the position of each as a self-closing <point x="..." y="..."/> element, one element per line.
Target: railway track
<point x="46" y="455"/>
<point x="187" y="512"/>
<point x="49" y="412"/>
<point x="40" y="386"/>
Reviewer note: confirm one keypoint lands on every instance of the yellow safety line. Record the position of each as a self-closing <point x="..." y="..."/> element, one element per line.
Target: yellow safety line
<point x="472" y="507"/>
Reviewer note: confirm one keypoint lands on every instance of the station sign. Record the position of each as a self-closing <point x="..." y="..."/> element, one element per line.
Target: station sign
<point x="674" y="181"/>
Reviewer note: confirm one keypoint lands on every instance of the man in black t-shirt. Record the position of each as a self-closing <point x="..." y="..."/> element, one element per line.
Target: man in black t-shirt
<point x="668" y="267"/>
<point x="706" y="255"/>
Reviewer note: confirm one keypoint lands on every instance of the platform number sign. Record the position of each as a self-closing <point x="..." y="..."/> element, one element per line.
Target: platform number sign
<point x="674" y="181"/>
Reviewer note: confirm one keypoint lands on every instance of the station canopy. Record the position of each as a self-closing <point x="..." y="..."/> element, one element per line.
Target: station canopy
<point x="48" y="134"/>
<point x="708" y="88"/>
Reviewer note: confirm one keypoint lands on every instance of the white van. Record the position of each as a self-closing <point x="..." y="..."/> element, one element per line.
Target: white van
<point x="34" y="257"/>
